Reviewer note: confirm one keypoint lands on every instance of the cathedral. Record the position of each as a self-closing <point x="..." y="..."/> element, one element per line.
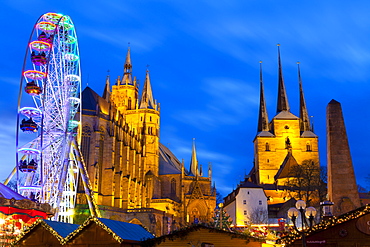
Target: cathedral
<point x="283" y="143"/>
<point x="134" y="177"/>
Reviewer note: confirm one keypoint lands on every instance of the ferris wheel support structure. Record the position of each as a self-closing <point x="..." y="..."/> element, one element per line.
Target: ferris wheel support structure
<point x="48" y="161"/>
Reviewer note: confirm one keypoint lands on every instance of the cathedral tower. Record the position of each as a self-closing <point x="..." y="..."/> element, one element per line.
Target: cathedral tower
<point x="125" y="92"/>
<point x="285" y="141"/>
<point x="134" y="177"/>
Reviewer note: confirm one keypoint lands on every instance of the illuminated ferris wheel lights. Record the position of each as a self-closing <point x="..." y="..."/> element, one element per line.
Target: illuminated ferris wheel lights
<point x="30" y="112"/>
<point x="28" y="151"/>
<point x="52" y="17"/>
<point x="65" y="26"/>
<point x="70" y="40"/>
<point x="34" y="74"/>
<point x="47" y="27"/>
<point x="74" y="100"/>
<point x="71" y="57"/>
<point x="30" y="188"/>
<point x="73" y="124"/>
<point x="39" y="45"/>
<point x="72" y="78"/>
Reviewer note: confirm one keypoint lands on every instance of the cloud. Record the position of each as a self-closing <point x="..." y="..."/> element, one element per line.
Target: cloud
<point x="143" y="41"/>
<point x="228" y="102"/>
<point x="10" y="80"/>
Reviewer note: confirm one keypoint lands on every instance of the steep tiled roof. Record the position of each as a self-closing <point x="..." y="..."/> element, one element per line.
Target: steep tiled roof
<point x="285" y="167"/>
<point x="168" y="163"/>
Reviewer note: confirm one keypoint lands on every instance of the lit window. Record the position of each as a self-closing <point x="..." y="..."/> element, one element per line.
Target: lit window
<point x="308" y="147"/>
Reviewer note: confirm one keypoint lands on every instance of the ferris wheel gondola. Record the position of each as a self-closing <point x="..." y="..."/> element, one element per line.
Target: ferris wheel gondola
<point x="48" y="110"/>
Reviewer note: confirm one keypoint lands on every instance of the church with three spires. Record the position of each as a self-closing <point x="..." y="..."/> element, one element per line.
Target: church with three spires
<point x="134" y="177"/>
<point x="281" y="143"/>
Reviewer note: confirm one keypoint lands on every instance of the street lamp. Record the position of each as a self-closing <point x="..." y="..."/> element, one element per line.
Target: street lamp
<point x="310" y="212"/>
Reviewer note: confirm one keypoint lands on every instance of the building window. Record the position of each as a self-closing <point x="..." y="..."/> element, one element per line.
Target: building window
<point x="245" y="212"/>
<point x="267" y="146"/>
<point x="244" y="201"/>
<point x="100" y="161"/>
<point x="308" y="147"/>
<point x="248" y="192"/>
<point x="259" y="202"/>
<point x="85" y="143"/>
<point x="129" y="104"/>
<point x="173" y="187"/>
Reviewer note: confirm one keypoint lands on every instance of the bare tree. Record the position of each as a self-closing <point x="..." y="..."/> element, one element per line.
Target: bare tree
<point x="258" y="216"/>
<point x="219" y="198"/>
<point x="305" y="183"/>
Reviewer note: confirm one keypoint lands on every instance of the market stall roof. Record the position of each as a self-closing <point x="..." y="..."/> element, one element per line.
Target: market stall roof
<point x="8" y="193"/>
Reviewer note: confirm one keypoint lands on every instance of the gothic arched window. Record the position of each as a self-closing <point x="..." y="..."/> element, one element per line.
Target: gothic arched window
<point x="85" y="143"/>
<point x="173" y="187"/>
<point x="129" y="104"/>
<point x="101" y="159"/>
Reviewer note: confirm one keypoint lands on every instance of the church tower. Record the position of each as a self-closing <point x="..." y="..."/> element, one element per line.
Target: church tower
<point x="134" y="177"/>
<point x="285" y="141"/>
<point x="141" y="115"/>
<point x="125" y="93"/>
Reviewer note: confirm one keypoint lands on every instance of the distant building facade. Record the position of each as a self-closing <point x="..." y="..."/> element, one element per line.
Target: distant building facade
<point x="247" y="204"/>
<point x="135" y="178"/>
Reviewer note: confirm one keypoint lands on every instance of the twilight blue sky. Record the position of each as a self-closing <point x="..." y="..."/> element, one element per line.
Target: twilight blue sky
<point x="204" y="63"/>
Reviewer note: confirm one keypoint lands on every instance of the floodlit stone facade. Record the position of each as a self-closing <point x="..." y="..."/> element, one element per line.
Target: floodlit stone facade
<point x="282" y="143"/>
<point x="136" y="178"/>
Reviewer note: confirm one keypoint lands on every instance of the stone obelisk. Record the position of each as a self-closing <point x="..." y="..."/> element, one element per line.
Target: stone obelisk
<point x="342" y="187"/>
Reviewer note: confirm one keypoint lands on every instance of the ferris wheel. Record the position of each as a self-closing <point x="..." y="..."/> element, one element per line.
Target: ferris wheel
<point x="49" y="163"/>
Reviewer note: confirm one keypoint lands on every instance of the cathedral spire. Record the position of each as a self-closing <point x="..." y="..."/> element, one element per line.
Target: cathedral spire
<point x="127" y="73"/>
<point x="303" y="113"/>
<point x="282" y="103"/>
<point x="263" y="121"/>
<point x="194" y="161"/>
<point x="147" y="100"/>
<point x="107" y="92"/>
